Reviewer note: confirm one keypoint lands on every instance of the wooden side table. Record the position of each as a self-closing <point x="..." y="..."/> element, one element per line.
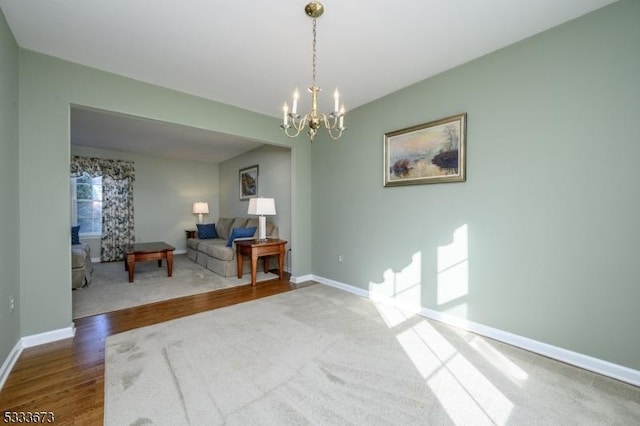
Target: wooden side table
<point x="256" y="249"/>
<point x="191" y="233"/>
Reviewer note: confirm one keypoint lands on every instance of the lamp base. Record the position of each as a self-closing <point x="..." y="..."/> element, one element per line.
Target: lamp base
<point x="262" y="228"/>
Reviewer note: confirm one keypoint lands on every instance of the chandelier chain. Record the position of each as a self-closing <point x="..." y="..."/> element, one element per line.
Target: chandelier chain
<point x="314" y="52"/>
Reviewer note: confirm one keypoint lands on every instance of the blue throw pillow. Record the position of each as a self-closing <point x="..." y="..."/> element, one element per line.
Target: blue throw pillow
<point x="207" y="231"/>
<point x="75" y="235"/>
<point x="241" y="233"/>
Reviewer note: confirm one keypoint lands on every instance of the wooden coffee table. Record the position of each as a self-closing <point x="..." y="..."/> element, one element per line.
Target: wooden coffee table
<point x="256" y="249"/>
<point x="140" y="252"/>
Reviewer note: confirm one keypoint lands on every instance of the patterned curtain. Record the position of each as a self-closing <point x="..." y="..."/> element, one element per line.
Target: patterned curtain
<point x="117" y="218"/>
<point x="117" y="202"/>
<point x="115" y="169"/>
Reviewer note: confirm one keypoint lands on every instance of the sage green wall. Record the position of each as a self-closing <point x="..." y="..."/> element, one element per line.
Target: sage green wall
<point x="9" y="212"/>
<point x="47" y="87"/>
<point x="274" y="181"/>
<point x="543" y="236"/>
<point x="163" y="195"/>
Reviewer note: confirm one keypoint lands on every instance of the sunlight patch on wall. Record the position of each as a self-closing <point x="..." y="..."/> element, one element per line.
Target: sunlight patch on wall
<point x="453" y="268"/>
<point x="402" y="288"/>
<point x="464" y="392"/>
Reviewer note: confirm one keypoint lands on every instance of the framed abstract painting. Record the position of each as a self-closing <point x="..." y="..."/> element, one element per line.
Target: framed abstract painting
<point x="433" y="152"/>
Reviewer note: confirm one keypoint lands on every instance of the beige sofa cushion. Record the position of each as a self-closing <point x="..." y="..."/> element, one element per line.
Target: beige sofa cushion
<point x="78" y="257"/>
<point x="81" y="266"/>
<point x="223" y="227"/>
<point x="238" y="222"/>
<point x="216" y="248"/>
<point x="226" y="225"/>
<point x="221" y="251"/>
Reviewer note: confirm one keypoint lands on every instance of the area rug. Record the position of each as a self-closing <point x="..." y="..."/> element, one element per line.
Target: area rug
<point x="321" y="356"/>
<point x="110" y="289"/>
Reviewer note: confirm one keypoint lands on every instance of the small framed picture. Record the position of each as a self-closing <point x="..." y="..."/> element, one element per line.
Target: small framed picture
<point x="248" y="182"/>
<point x="433" y="152"/>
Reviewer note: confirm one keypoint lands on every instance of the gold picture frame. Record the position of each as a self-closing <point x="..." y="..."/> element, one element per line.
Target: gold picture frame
<point x="433" y="152"/>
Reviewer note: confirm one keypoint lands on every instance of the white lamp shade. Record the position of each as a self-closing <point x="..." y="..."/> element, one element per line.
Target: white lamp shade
<point x="262" y="206"/>
<point x="200" y="208"/>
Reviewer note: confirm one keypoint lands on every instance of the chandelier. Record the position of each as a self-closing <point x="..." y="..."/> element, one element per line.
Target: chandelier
<point x="294" y="123"/>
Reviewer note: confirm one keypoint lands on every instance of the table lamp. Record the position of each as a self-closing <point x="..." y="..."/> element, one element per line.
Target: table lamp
<point x="262" y="207"/>
<point x="200" y="208"/>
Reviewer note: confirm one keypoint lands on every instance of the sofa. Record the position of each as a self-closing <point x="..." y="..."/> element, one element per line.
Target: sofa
<point x="211" y="250"/>
<point x="81" y="266"/>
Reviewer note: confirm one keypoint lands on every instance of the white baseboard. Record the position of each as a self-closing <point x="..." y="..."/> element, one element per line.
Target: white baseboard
<point x="301" y="279"/>
<point x="8" y="363"/>
<point x="586" y="362"/>
<point x="30" y="341"/>
<point x="48" y="336"/>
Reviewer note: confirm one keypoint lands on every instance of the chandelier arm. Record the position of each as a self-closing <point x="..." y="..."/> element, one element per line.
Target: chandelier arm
<point x="297" y="123"/>
<point x="336" y="136"/>
<point x="300" y="123"/>
<point x="291" y="135"/>
<point x="325" y="121"/>
<point x="331" y="122"/>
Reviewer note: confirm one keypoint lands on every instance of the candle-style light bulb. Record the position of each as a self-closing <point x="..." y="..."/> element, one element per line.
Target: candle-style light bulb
<point x="285" y="110"/>
<point x="294" y="107"/>
<point x="336" y="99"/>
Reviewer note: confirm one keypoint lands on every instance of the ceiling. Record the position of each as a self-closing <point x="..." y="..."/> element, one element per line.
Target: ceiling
<point x="252" y="55"/>
<point x="107" y="130"/>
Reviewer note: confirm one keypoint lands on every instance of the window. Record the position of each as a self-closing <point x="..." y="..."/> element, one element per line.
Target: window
<point x="86" y="204"/>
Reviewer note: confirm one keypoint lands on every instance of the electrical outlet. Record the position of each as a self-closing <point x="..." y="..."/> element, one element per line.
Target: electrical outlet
<point x="12" y="304"/>
<point x="340" y="259"/>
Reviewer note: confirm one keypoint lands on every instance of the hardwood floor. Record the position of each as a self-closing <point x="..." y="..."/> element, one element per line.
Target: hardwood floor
<point x="67" y="377"/>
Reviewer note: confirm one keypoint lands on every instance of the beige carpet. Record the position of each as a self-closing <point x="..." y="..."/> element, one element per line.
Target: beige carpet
<point x="110" y="289"/>
<point x="321" y="356"/>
